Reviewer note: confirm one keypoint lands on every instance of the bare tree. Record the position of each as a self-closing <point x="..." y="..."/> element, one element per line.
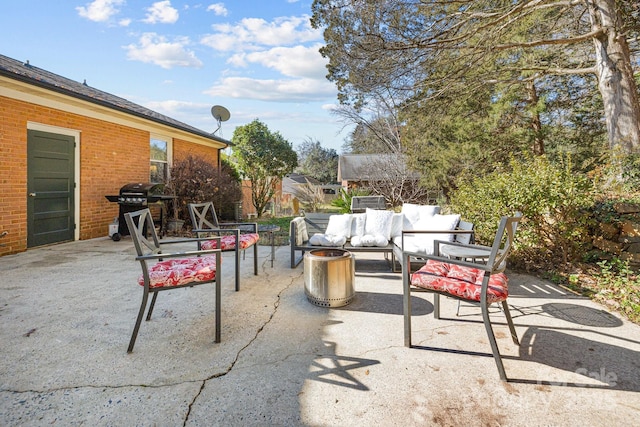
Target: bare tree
<point x="311" y="196"/>
<point x="388" y="176"/>
<point x="377" y="125"/>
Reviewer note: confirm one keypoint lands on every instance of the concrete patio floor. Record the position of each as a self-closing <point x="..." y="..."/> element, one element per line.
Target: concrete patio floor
<point x="67" y="312"/>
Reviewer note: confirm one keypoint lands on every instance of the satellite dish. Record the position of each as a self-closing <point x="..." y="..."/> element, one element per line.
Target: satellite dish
<point x="221" y="114"/>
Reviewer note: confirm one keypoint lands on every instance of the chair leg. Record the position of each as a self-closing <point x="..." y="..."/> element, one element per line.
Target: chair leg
<point x="492" y="341"/>
<point x="507" y="314"/>
<point x="255" y="259"/>
<point x="143" y="306"/>
<point x="406" y="302"/>
<point x="218" y="285"/>
<point x="436" y="305"/>
<point x="237" y="253"/>
<point x="153" y="304"/>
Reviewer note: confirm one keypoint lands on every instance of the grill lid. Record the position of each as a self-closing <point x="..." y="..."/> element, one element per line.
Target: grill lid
<point x="142" y="188"/>
<point x="140" y="193"/>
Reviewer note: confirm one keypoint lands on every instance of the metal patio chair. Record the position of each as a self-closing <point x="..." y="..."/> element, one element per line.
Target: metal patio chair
<point x="162" y="271"/>
<point x="205" y="223"/>
<point x="482" y="282"/>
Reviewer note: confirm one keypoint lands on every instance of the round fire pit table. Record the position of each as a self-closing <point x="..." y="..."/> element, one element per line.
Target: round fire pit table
<point x="329" y="277"/>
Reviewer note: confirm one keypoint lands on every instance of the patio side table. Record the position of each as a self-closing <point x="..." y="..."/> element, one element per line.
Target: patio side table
<point x="270" y="229"/>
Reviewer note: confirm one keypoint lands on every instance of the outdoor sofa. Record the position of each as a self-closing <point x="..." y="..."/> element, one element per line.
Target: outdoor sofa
<point x="414" y="229"/>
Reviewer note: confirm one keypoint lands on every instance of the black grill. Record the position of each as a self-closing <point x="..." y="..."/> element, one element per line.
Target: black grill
<point x="135" y="196"/>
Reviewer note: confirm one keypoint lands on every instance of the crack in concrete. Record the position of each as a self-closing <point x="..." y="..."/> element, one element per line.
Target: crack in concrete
<point x="276" y="305"/>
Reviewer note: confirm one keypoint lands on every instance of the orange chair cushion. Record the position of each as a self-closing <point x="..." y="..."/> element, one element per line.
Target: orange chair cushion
<point x="228" y="242"/>
<point x="176" y="272"/>
<point x="459" y="281"/>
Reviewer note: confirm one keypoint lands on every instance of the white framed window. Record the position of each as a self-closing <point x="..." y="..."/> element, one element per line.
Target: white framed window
<point x="160" y="156"/>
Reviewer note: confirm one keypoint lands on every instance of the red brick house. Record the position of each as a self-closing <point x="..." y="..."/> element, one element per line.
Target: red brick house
<point x="65" y="145"/>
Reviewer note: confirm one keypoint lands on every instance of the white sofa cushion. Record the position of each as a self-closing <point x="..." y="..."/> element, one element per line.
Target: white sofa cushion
<point x="369" y="240"/>
<point x="319" y="239"/>
<point x="423" y="243"/>
<point x="439" y="222"/>
<point x="414" y="213"/>
<point x="428" y="211"/>
<point x="396" y="224"/>
<point x="357" y="224"/>
<point x="378" y="222"/>
<point x="339" y="225"/>
<point x="411" y="215"/>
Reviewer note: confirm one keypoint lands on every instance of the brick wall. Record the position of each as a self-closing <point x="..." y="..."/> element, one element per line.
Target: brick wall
<point x="111" y="155"/>
<point x="183" y="149"/>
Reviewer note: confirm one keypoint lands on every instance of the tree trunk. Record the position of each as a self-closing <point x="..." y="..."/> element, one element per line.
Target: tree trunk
<point x="615" y="78"/>
<point x="536" y="123"/>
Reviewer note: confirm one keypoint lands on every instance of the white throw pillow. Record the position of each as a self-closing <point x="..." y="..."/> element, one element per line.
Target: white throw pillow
<point x="436" y="223"/>
<point x="357" y="224"/>
<point x="411" y="215"/>
<point x="397" y="224"/>
<point x="415" y="243"/>
<point x="339" y="225"/>
<point x="327" y="240"/>
<point x="378" y="222"/>
<point x="427" y="211"/>
<point x="369" y="240"/>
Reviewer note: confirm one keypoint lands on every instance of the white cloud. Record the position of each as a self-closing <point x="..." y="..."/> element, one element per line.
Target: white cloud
<point x="173" y="107"/>
<point x="297" y="61"/>
<point x="161" y="12"/>
<point x="290" y="90"/>
<point x="218" y="9"/>
<point x="251" y="33"/>
<point x="330" y="107"/>
<point x="156" y="49"/>
<point x="99" y="10"/>
<point x="124" y="22"/>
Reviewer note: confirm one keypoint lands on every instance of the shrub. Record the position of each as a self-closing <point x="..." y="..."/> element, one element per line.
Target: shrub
<point x="194" y="180"/>
<point x="552" y="197"/>
<point x="619" y="286"/>
<point x="310" y="196"/>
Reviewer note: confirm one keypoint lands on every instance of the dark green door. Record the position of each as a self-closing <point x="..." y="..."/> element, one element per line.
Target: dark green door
<point x="50" y="188"/>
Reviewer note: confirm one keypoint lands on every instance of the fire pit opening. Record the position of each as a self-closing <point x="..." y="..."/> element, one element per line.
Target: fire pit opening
<point x="329" y="252"/>
<point x="329" y="277"/>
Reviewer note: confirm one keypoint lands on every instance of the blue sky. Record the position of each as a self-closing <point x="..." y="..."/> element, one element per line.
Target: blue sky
<point x="257" y="58"/>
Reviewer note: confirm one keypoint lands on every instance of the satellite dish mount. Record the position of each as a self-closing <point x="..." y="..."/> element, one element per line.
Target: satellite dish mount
<point x="221" y="114"/>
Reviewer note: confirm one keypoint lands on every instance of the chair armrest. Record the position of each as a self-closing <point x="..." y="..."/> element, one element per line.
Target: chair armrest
<point x="438" y="232"/>
<point x="406" y="232"/>
<point x="217" y="231"/>
<point x="242" y="226"/>
<point x="176" y="254"/>
<point x="479" y="266"/>
<point x="462" y="245"/>
<point x="192" y="239"/>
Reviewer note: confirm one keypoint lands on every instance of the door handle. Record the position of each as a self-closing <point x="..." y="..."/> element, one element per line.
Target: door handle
<point x="32" y="194"/>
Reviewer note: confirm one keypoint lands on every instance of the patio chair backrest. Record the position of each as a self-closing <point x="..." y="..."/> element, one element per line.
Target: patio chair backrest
<point x="466" y="238"/>
<point x="140" y="224"/>
<point x="203" y="216"/>
<point x="503" y="242"/>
